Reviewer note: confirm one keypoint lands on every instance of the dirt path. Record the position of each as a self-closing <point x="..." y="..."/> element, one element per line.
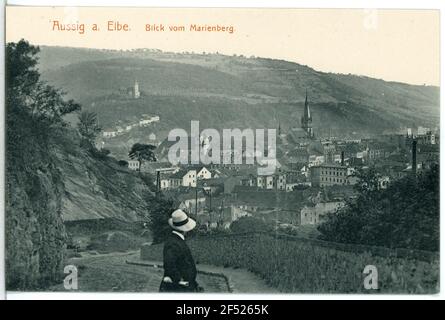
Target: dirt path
<point x="239" y="280"/>
<point x="125" y="272"/>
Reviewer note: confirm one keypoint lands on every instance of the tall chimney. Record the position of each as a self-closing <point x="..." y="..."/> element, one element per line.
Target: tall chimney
<point x="158" y="182"/>
<point x="414" y="151"/>
<point x="342" y="158"/>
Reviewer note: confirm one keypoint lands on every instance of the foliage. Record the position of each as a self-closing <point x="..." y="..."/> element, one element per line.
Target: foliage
<point x="35" y="234"/>
<point x="142" y="152"/>
<point x="123" y="163"/>
<point x="88" y="126"/>
<point x="405" y="215"/>
<point x="158" y="214"/>
<point x="25" y="92"/>
<point x="250" y="224"/>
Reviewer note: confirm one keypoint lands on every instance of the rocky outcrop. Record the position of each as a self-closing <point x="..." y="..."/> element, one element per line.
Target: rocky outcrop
<point x="59" y="184"/>
<point x="35" y="234"/>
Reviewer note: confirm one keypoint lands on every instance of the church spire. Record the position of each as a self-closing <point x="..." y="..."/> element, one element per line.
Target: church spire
<point x="307" y="111"/>
<point x="306" y="120"/>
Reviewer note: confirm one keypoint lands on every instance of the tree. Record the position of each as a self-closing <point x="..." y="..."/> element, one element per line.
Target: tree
<point x="34" y="231"/>
<point x="405" y="215"/>
<point x="27" y="93"/>
<point x="142" y="152"/>
<point x="158" y="214"/>
<point x="88" y="127"/>
<point x="123" y="163"/>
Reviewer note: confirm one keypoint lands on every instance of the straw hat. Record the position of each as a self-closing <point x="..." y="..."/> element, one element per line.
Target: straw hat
<point x="181" y="222"/>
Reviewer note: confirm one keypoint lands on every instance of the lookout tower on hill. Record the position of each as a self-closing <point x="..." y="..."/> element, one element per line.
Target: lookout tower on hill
<point x="136" y="92"/>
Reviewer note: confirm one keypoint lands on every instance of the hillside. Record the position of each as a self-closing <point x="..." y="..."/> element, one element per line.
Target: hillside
<point x="54" y="176"/>
<point x="233" y="91"/>
<point x="98" y="188"/>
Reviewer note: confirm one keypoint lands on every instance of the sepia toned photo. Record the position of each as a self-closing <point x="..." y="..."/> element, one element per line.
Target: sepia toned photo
<point x="222" y="150"/>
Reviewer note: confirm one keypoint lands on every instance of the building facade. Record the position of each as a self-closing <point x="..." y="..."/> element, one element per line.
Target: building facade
<point x="328" y="175"/>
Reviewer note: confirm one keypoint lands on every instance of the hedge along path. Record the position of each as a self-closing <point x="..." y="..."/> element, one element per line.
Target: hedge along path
<point x="297" y="265"/>
<point x="303" y="266"/>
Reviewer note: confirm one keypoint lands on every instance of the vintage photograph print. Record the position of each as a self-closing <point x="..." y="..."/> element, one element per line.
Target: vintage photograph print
<point x="222" y="150"/>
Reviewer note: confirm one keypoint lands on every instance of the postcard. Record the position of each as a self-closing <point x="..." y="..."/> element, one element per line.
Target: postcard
<point x="222" y="150"/>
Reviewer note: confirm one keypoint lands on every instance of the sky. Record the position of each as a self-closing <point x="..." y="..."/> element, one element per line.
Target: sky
<point x="394" y="45"/>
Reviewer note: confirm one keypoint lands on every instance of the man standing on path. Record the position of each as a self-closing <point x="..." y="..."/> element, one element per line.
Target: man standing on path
<point x="179" y="266"/>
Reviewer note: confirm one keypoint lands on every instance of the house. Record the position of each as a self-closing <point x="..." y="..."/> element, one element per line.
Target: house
<point x="109" y="133"/>
<point x="165" y="183"/>
<point x="270" y="182"/>
<point x="328" y="175"/>
<point x="147" y="120"/>
<point x="249" y="181"/>
<point x="315" y="214"/>
<point x="144" y="122"/>
<point x="316" y="160"/>
<point x="427" y="138"/>
<point x="265" y="182"/>
<point x="202" y="173"/>
<point x="280" y="181"/>
<point x="184" y="178"/>
<point x="134" y="165"/>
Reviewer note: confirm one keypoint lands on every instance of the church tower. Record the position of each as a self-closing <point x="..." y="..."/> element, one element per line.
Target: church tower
<point x="306" y="120"/>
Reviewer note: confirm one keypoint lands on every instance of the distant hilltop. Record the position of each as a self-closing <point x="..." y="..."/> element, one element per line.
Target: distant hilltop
<point x="233" y="91"/>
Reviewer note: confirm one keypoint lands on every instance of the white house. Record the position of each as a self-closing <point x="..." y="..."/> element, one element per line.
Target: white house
<point x="316" y="160"/>
<point x="189" y="179"/>
<point x="133" y="165"/>
<point x="203" y="173"/>
<point x="144" y="122"/>
<point x="109" y="133"/>
<point x="185" y="178"/>
<point x="165" y="183"/>
<point x="147" y="120"/>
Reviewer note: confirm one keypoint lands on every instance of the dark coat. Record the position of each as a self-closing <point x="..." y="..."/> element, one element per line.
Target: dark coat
<point x="178" y="265"/>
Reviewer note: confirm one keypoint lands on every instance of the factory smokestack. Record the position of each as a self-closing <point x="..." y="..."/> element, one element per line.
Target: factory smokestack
<point x="414" y="151"/>
<point x="342" y="158"/>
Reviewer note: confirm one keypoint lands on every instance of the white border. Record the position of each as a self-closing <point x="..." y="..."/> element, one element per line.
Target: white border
<point x="2" y="161"/>
<point x="407" y="4"/>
